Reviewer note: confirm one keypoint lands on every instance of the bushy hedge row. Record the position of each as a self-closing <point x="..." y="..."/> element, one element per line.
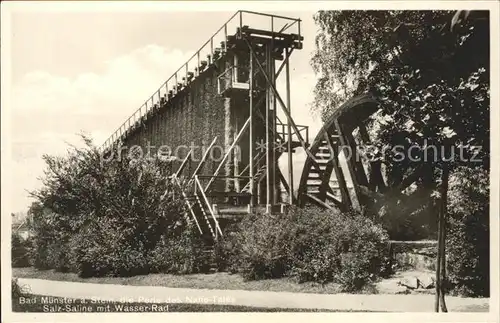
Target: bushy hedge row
<point x="310" y="245"/>
<point x="111" y="218"/>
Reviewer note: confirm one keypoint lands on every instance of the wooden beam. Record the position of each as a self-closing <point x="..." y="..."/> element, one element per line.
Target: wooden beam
<point x="184" y="162"/>
<point x="345" y="143"/>
<point x="333" y="198"/>
<point x="288" y="53"/>
<point x="339" y="173"/>
<point x="238" y="137"/>
<point x="358" y="166"/>
<point x="285" y="184"/>
<point x="320" y="202"/>
<point x="202" y="161"/>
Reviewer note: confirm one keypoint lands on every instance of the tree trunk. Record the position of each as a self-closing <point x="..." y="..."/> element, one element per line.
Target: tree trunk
<point x="438" y="267"/>
<point x="443" y="214"/>
<point x="441" y="252"/>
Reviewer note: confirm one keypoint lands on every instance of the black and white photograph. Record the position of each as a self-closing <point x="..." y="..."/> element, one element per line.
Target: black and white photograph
<point x="229" y="157"/>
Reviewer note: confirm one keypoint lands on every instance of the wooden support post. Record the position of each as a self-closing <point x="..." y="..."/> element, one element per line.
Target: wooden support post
<point x="289" y="128"/>
<point x="251" y="136"/>
<point x="269" y="138"/>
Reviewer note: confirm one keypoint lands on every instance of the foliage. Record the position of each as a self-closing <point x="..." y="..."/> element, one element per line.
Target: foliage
<point x="310" y="245"/>
<point x="468" y="236"/>
<point x="426" y="76"/>
<point x="432" y="82"/>
<point x="105" y="216"/>
<point x="17" y="290"/>
<point x="179" y="254"/>
<point x="263" y="246"/>
<point x="430" y="72"/>
<point x="20" y="251"/>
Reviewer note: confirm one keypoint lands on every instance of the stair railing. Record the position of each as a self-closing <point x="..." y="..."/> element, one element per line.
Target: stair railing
<point x="205" y="199"/>
<point x="190" y="207"/>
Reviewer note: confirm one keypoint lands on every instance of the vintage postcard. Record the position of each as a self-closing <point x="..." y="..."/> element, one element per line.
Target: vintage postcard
<point x="254" y="160"/>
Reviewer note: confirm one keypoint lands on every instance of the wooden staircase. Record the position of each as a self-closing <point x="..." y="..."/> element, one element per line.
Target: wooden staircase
<point x="208" y="234"/>
<point x="317" y="184"/>
<point x="323" y="155"/>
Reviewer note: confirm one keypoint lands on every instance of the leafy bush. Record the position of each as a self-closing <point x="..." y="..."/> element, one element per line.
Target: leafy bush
<point x="310" y="245"/>
<point x="21" y="249"/>
<point x="327" y="239"/>
<point x="178" y="254"/>
<point x="468" y="234"/>
<point x="103" y="217"/>
<point x="261" y="246"/>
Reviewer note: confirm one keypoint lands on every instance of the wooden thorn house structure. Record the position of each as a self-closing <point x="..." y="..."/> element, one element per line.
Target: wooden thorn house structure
<point x="224" y="99"/>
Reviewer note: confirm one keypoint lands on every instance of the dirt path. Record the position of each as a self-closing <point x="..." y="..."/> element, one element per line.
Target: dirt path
<point x="391" y="303"/>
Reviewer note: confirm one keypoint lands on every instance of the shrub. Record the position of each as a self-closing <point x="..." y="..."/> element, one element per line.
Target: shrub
<point x="178" y="254"/>
<point x="107" y="218"/>
<point x="21" y="250"/>
<point x="310" y="245"/>
<point x="327" y="240"/>
<point x="263" y="246"/>
<point x="468" y="234"/>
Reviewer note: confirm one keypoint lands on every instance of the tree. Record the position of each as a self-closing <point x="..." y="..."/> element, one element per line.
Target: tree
<point x="103" y="217"/>
<point x="430" y="72"/>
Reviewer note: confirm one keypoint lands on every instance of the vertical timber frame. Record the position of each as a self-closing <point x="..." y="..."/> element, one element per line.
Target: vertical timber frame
<point x="271" y="197"/>
<point x="289" y="128"/>
<point x="251" y="137"/>
<point x="272" y="95"/>
<point x="267" y="68"/>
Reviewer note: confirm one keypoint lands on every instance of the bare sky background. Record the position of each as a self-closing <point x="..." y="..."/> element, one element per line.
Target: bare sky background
<point x="88" y="71"/>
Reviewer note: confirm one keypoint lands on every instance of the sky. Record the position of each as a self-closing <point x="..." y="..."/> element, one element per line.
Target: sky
<point x="75" y="72"/>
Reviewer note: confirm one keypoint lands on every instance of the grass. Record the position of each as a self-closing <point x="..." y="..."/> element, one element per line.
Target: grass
<point x="40" y="304"/>
<point x="197" y="281"/>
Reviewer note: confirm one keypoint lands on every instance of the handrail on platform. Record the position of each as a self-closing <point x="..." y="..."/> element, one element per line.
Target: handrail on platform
<point x="157" y="100"/>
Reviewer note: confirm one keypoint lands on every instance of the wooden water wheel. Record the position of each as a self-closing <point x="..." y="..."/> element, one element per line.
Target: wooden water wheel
<point x="357" y="183"/>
